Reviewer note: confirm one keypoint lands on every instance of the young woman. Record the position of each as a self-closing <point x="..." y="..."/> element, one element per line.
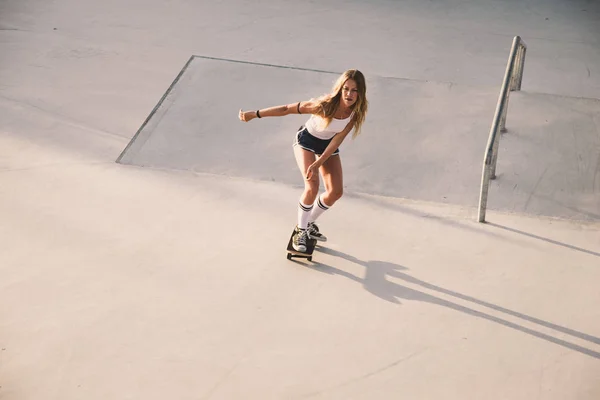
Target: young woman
<point x="332" y="117"/>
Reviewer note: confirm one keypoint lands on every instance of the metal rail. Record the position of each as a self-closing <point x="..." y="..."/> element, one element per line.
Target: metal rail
<point x="512" y="81"/>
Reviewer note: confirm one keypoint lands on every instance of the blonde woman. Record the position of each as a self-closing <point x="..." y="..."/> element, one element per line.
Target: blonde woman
<point x="332" y="117"/>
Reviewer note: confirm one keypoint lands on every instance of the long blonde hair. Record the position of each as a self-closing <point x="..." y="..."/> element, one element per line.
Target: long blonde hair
<point x="329" y="103"/>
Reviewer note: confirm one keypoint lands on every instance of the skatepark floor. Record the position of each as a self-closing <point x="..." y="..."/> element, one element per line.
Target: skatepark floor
<point x="120" y="281"/>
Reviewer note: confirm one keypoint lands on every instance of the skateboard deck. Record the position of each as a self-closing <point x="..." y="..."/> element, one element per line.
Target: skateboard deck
<point x="310" y="248"/>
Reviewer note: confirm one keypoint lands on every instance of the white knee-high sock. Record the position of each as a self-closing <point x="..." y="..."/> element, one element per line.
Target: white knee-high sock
<point x="303" y="214"/>
<point x="318" y="208"/>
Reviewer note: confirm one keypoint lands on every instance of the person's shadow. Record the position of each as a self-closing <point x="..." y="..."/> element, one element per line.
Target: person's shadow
<point x="375" y="281"/>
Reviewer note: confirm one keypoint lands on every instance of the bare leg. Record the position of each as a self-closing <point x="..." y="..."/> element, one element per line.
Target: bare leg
<point x="304" y="158"/>
<point x="333" y="179"/>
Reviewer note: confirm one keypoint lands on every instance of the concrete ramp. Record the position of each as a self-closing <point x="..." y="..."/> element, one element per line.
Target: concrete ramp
<point x="549" y="160"/>
<point x="422" y="140"/>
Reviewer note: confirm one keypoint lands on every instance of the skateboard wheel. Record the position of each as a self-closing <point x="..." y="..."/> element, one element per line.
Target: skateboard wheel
<point x="289" y="256"/>
<point x="309" y="258"/>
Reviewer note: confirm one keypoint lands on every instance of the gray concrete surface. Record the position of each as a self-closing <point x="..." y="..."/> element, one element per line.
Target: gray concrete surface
<point x="123" y="282"/>
<point x="549" y="160"/>
<point x="422" y="140"/>
<point x="119" y="282"/>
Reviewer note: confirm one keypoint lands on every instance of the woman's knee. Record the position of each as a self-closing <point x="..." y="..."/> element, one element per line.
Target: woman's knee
<point x="311" y="188"/>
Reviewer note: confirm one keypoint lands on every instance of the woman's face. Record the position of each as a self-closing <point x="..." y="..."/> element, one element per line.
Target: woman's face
<point x="349" y="93"/>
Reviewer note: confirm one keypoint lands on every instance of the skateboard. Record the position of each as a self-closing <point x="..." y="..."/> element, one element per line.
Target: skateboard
<point x="310" y="248"/>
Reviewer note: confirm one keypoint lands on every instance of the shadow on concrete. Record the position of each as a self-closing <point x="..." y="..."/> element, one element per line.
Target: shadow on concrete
<point x="376" y="283"/>
<point x="447" y="221"/>
<point x="587" y="215"/>
<point x="568" y="246"/>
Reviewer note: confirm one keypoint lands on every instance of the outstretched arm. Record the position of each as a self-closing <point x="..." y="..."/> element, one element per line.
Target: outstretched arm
<point x="302" y="107"/>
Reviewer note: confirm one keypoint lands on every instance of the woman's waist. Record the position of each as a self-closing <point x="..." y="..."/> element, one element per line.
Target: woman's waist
<point x="319" y="135"/>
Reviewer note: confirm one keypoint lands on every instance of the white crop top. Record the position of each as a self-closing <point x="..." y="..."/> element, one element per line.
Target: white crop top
<point x="315" y="126"/>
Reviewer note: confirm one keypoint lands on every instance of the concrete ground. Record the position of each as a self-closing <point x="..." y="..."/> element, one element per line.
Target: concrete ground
<point x="424" y="139"/>
<point x="120" y="281"/>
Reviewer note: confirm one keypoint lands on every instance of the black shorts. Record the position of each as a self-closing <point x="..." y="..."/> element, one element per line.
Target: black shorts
<point x="308" y="142"/>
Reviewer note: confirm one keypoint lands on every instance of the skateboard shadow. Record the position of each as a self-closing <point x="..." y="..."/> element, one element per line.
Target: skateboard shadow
<point x="375" y="281"/>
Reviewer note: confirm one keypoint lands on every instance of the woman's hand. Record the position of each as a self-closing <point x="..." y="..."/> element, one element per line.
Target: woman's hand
<point x="247" y="116"/>
<point x="311" y="169"/>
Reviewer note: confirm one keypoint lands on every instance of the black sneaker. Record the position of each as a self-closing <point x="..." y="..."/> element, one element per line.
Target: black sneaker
<point x="300" y="239"/>
<point x="313" y="232"/>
